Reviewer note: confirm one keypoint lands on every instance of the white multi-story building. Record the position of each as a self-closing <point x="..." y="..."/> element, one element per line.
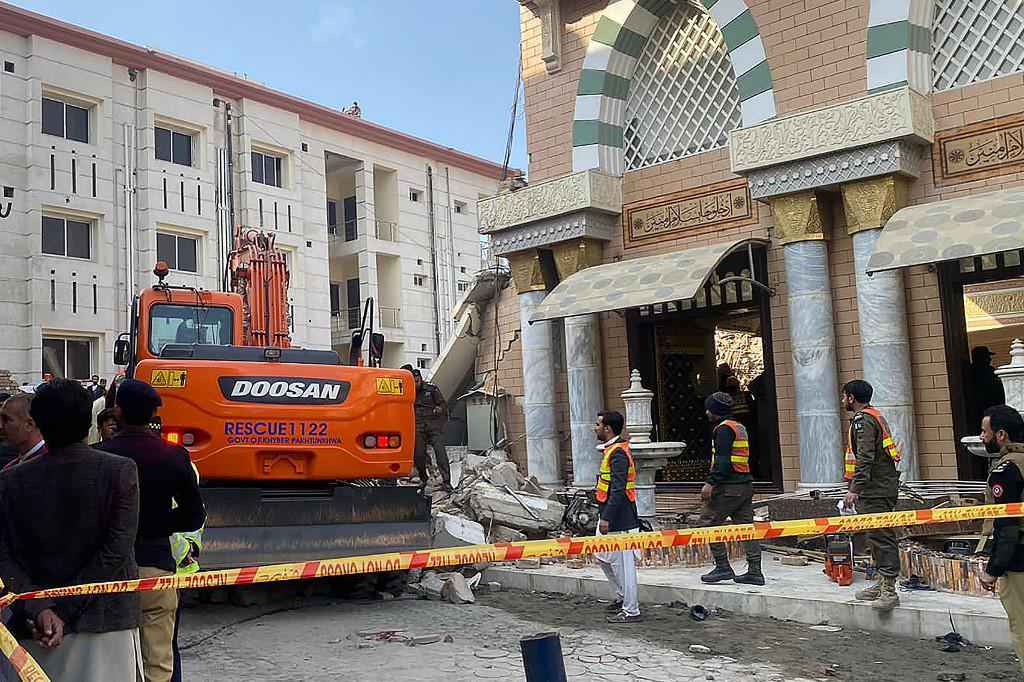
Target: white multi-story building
<point x="113" y="156"/>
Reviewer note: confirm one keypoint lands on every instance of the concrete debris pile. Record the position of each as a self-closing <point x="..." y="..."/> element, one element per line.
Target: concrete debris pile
<point x="449" y="587"/>
<point x="493" y="502"/>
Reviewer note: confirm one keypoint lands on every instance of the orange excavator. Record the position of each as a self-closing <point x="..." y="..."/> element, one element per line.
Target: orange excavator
<point x="298" y="454"/>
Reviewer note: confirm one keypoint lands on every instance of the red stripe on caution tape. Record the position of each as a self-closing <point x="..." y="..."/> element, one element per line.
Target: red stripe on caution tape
<point x="246" y="576"/>
<point x="310" y="569"/>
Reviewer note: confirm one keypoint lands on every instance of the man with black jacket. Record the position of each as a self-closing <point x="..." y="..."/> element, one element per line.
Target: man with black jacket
<point x="728" y="492"/>
<point x="66" y="519"/>
<point x="165" y="474"/>
<point x="1002" y="429"/>
<point x="616" y="495"/>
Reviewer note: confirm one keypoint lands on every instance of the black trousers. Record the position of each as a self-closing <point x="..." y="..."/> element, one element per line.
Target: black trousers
<point x="431" y="437"/>
<point x="735" y="503"/>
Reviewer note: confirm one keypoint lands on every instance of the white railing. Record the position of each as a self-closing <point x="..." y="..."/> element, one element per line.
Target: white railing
<point x="391" y="318"/>
<point x="386" y="230"/>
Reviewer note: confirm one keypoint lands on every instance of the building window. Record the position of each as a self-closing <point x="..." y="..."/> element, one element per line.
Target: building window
<point x="419" y="280"/>
<point x="423" y="363"/>
<point x="683" y="98"/>
<point x="414" y="194"/>
<point x="67" y="357"/>
<point x="65" y="120"/>
<point x="179" y="252"/>
<point x="460" y="207"/>
<point x="463" y="287"/>
<point x="975" y="40"/>
<point x="267" y="169"/>
<point x="67" y="237"/>
<point x="423" y="347"/>
<point x="173" y="146"/>
<point x="462" y="269"/>
<point x="419" y="261"/>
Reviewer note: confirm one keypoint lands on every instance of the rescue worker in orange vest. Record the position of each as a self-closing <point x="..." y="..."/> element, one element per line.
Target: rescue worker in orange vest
<point x="870" y="469"/>
<point x="728" y="493"/>
<point x="616" y="496"/>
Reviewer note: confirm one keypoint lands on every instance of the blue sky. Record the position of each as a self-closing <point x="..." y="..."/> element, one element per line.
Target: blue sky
<point x="444" y="71"/>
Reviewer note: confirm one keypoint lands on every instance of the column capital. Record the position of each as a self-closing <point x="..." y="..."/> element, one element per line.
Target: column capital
<point x="800" y="218"/>
<point x="576" y="255"/>
<point x="526" y="271"/>
<point x="870" y="203"/>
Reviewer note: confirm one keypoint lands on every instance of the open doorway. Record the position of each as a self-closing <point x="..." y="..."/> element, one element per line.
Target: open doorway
<point x="983" y="312"/>
<point x="721" y="340"/>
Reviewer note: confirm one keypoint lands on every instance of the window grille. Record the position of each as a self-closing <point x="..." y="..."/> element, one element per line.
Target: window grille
<point x="976" y="40"/>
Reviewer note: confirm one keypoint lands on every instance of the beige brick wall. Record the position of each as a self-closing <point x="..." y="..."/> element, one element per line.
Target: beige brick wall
<point x="816" y="50"/>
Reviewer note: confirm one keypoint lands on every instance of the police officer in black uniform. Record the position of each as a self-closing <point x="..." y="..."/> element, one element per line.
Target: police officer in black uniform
<point x="1002" y="429"/>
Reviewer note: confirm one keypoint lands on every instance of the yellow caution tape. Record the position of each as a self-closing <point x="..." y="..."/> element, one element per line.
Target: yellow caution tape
<point x="511" y="551"/>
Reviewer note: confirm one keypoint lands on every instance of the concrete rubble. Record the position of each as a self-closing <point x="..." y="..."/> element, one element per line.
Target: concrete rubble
<point x="494" y="502"/>
<point x="450" y="587"/>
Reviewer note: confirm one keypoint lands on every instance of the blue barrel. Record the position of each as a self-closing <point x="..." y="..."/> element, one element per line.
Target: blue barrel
<point x="542" y="658"/>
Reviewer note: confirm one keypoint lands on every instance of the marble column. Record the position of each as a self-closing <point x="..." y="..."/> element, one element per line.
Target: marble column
<point x="586" y="395"/>
<point x="800" y="225"/>
<point x="882" y="313"/>
<point x="537" y="342"/>
<point x="539" y="393"/>
<point x="583" y="365"/>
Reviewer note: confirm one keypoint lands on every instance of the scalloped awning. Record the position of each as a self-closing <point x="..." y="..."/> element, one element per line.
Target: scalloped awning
<point x="951" y="230"/>
<point x="664" y="278"/>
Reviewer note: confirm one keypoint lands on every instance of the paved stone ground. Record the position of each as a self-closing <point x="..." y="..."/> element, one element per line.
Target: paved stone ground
<point x="318" y="639"/>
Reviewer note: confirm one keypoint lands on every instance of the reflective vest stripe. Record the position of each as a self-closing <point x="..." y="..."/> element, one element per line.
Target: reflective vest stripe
<point x="740" y="456"/>
<point x="888" y="444"/>
<point x="604" y="476"/>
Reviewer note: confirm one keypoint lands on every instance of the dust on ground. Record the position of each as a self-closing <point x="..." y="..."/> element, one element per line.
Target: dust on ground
<point x="794" y="647"/>
<point x="320" y="638"/>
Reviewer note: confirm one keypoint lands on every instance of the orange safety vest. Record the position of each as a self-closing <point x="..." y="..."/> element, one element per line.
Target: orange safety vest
<point x="604" y="476"/>
<point x="740" y="456"/>
<point x="850" y="462"/>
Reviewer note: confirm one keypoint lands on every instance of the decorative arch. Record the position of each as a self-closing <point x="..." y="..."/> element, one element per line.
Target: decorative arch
<point x="899" y="50"/>
<point x="618" y="41"/>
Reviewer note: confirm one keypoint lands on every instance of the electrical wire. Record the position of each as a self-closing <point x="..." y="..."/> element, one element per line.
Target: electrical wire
<point x="512" y="120"/>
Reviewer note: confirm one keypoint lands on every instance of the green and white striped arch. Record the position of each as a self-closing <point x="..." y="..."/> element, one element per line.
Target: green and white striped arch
<point x="617" y="43"/>
<point x="900" y="44"/>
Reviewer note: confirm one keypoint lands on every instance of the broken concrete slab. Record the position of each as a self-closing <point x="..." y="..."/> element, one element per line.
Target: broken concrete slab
<point x="505" y="534"/>
<point x="456" y="590"/>
<point x="506" y="475"/>
<point x="424" y="639"/>
<point x="517" y="510"/>
<point x="529" y="563"/>
<point x="430" y="586"/>
<point x="454" y="531"/>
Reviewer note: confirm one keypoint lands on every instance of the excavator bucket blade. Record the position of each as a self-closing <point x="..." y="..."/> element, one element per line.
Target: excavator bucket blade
<point x="255" y="527"/>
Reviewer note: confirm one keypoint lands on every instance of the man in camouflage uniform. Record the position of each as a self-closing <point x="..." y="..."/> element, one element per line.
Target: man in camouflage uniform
<point x="874" y="487"/>
<point x="431" y="417"/>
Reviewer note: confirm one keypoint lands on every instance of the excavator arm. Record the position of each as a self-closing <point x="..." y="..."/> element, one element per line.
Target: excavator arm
<point x="258" y="272"/>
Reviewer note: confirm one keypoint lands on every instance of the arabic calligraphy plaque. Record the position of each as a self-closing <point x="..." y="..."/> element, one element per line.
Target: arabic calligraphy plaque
<point x="985" y="149"/>
<point x="725" y="204"/>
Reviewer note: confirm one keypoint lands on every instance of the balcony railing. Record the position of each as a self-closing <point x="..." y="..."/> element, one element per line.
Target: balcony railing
<point x="348" y="232"/>
<point x="391" y="318"/>
<point x="345" y="320"/>
<point x="386" y="230"/>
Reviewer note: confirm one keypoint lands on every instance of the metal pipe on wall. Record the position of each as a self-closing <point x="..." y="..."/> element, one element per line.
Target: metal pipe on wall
<point x="129" y="223"/>
<point x="433" y="258"/>
<point x="452" y="286"/>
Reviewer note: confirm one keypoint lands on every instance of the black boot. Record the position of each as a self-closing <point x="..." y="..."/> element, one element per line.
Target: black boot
<point x="720" y="573"/>
<point x="753" y="576"/>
